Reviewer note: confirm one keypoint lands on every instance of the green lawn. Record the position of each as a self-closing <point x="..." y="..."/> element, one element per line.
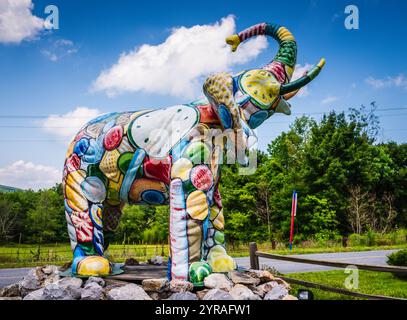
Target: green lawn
<point x="370" y="282"/>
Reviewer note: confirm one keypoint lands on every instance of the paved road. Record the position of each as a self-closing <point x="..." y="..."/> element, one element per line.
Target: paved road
<point x="9" y="276"/>
<point x="378" y="257"/>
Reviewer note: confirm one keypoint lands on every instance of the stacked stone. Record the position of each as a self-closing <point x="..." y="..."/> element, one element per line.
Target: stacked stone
<point x="45" y="283"/>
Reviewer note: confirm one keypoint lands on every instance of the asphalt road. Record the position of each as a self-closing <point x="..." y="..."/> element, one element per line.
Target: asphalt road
<point x="377" y="257"/>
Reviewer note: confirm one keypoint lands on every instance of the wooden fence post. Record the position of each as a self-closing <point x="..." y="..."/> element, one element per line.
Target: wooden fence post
<point x="254" y="259"/>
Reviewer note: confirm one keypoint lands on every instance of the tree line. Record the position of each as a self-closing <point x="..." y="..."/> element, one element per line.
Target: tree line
<point x="346" y="182"/>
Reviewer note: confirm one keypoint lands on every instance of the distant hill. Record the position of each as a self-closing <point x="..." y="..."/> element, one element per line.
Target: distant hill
<point x="8" y="189"/>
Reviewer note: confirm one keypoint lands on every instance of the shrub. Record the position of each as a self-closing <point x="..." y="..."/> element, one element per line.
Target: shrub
<point x="398" y="258"/>
<point x="356" y="240"/>
<point x="370" y="238"/>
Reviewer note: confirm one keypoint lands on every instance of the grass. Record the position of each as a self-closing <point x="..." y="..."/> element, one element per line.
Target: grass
<point x="370" y="282"/>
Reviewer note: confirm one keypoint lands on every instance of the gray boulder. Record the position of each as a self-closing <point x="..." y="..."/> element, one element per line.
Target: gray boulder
<point x="157" y="260"/>
<point x="265" y="288"/>
<point x="128" y="292"/>
<point x="97" y="280"/>
<point x="155" y="285"/>
<point x="217" y="294"/>
<point x="92" y="291"/>
<point x="56" y="291"/>
<point x="200" y="294"/>
<point x="218" y="281"/>
<point x="31" y="282"/>
<point x="38" y="278"/>
<point x="35" y="295"/>
<point x="241" y="292"/>
<point x="180" y="286"/>
<point x="13" y="290"/>
<point x="183" y="296"/>
<point x="277" y="293"/>
<point x="263" y="275"/>
<point x="243" y="278"/>
<point x="70" y="282"/>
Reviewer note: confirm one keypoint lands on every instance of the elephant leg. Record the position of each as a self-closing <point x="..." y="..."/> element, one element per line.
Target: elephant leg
<point x="85" y="229"/>
<point x="191" y="196"/>
<point x="178" y="261"/>
<point x="214" y="245"/>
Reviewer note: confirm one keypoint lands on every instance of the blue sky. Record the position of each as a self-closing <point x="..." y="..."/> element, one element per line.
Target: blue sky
<point x="55" y="72"/>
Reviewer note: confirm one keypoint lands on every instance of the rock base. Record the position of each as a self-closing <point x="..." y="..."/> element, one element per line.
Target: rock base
<point x="45" y="283"/>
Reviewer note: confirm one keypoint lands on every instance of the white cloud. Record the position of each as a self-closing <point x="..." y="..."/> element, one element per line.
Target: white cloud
<point x="59" y="49"/>
<point x="17" y="23"/>
<point x="68" y="124"/>
<point x="399" y="82"/>
<point x="329" y="99"/>
<point x="298" y="73"/>
<point x="27" y="175"/>
<point x="177" y="66"/>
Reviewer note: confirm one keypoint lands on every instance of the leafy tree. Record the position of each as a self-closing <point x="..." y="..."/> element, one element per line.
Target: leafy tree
<point x="45" y="221"/>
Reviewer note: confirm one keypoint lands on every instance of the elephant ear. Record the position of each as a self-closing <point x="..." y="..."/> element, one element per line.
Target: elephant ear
<point x="219" y="89"/>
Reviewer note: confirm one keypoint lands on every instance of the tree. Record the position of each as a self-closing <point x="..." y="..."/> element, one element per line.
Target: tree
<point x="46" y="221"/>
<point x="322" y="223"/>
<point x="8" y="219"/>
<point x="360" y="203"/>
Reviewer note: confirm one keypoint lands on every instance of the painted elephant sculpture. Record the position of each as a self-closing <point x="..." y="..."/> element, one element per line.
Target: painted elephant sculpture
<point x="173" y="156"/>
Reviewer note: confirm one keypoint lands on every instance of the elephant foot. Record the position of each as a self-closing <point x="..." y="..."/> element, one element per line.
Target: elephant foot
<point x="93" y="266"/>
<point x="218" y="262"/>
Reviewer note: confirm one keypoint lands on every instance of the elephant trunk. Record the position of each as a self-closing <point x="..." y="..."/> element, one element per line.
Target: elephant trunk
<point x="284" y="62"/>
<point x="304" y="80"/>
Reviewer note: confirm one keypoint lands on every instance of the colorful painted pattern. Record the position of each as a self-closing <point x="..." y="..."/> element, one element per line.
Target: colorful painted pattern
<point x="164" y="156"/>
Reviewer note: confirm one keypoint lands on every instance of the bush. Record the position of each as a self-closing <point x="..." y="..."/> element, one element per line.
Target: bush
<point x="356" y="240"/>
<point x="370" y="238"/>
<point x="398" y="258"/>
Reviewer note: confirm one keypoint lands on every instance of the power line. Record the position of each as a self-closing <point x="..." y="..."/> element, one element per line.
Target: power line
<point x="9" y="116"/>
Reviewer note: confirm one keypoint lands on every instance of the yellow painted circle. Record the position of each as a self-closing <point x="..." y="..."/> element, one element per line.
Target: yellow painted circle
<point x="219" y="222"/>
<point x="197" y="207"/>
<point x="73" y="191"/>
<point x="181" y="169"/>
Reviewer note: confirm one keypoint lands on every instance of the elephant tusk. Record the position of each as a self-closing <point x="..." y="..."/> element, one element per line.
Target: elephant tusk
<point x="304" y="80"/>
<point x="290" y="95"/>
